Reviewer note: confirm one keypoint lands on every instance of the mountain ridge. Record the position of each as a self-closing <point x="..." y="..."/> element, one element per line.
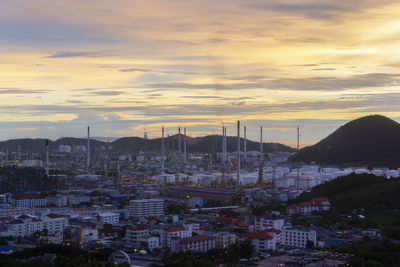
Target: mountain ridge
<point x="372" y="140"/>
<point x="204" y="144"/>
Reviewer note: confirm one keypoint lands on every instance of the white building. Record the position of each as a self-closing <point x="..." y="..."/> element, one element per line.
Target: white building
<point x="297" y="237"/>
<point x="135" y="233"/>
<point x="262" y="223"/>
<point x="149" y="242"/>
<point x="142" y="208"/>
<point x="198" y="243"/>
<point x="224" y="240"/>
<point x="172" y="232"/>
<point x="109" y="217"/>
<point x="29" y="200"/>
<point x="262" y="241"/>
<point x="25" y="225"/>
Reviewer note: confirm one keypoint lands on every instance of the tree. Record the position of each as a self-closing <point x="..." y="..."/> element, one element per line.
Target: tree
<point x="310" y="244"/>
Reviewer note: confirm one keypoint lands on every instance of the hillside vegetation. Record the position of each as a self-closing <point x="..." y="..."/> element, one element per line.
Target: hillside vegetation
<point x="372" y="140"/>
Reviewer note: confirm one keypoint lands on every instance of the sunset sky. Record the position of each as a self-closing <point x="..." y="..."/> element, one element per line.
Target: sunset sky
<point x="125" y="67"/>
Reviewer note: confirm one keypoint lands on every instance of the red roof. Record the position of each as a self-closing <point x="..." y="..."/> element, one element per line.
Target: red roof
<point x="272" y="230"/>
<point x="175" y="229"/>
<point x="319" y="199"/>
<point x="256" y="235"/>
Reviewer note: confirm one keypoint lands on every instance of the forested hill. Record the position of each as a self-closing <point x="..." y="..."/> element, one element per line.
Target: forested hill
<point x="210" y="143"/>
<point x="372" y="140"/>
<point x="358" y="191"/>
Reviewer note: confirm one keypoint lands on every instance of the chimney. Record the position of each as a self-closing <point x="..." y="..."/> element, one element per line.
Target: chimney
<point x="245" y="144"/>
<point x="179" y="142"/>
<point x="223" y="146"/>
<point x="184" y="145"/>
<point x="261" y="144"/>
<point x="238" y="156"/>
<point x="162" y="151"/>
<point x="88" y="150"/>
<point x="47" y="158"/>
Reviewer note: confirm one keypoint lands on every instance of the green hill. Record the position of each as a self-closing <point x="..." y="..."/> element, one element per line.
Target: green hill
<point x="358" y="191"/>
<point x="372" y="140"/>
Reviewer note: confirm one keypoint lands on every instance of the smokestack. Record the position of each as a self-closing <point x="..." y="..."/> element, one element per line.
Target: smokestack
<point x="88" y="150"/>
<point x="226" y="144"/>
<point x="245" y="144"/>
<point x="184" y="145"/>
<point x="223" y="146"/>
<point x="179" y="142"/>
<point x="47" y="158"/>
<point x="238" y="156"/>
<point x="162" y="151"/>
<point x="261" y="144"/>
<point x="261" y="165"/>
<point x="298" y="138"/>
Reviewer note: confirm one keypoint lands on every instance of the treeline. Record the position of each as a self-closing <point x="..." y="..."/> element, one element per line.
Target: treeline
<point x="362" y="192"/>
<point x="66" y="256"/>
<point x="26" y="179"/>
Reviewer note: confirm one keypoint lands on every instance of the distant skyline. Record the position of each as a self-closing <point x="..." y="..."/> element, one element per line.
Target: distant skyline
<point x="125" y="67"/>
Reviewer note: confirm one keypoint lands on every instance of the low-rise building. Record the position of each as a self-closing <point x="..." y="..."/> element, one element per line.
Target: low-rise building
<point x="261" y="223"/>
<point x="108" y="217"/>
<point x="262" y="241"/>
<point x="306" y="208"/>
<point x="135" y="233"/>
<point x="224" y="239"/>
<point x="297" y="237"/>
<point x="149" y="242"/>
<point x="198" y="243"/>
<point x="29" y="200"/>
<point x="172" y="232"/>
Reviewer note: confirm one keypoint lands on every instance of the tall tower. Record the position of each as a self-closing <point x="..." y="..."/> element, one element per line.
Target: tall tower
<point x="179" y="143"/>
<point x="47" y="157"/>
<point x="184" y="145"/>
<point x="245" y="144"/>
<point x="223" y="146"/>
<point x="238" y="157"/>
<point x="261" y="165"/>
<point x="88" y="150"/>
<point x="162" y="151"/>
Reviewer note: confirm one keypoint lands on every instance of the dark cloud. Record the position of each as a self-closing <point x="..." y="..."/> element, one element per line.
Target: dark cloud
<point x="15" y="91"/>
<point x="93" y="54"/>
<point x="319" y="83"/>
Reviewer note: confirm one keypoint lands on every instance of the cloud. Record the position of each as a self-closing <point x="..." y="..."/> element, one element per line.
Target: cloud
<point x="318" y="83"/>
<point x="90" y="54"/>
<point x="158" y="71"/>
<point x="16" y="91"/>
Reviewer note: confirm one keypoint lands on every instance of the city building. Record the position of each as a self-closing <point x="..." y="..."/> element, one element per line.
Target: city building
<point x="108" y="217"/>
<point x="297" y="237"/>
<point x="198" y="243"/>
<point x="262" y="241"/>
<point x="149" y="242"/>
<point x="172" y="232"/>
<point x="195" y="202"/>
<point x="24" y="225"/>
<point x="142" y="208"/>
<point x="29" y="200"/>
<point x="262" y="223"/>
<point x="224" y="240"/>
<point x="134" y="233"/>
<point x="306" y="208"/>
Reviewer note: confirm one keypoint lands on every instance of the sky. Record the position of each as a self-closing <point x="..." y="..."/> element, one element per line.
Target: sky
<point x="126" y="66"/>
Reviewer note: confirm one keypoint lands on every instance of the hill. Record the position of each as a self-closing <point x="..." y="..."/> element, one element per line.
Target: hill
<point x="210" y="143"/>
<point x="372" y="140"/>
<point x="358" y="191"/>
